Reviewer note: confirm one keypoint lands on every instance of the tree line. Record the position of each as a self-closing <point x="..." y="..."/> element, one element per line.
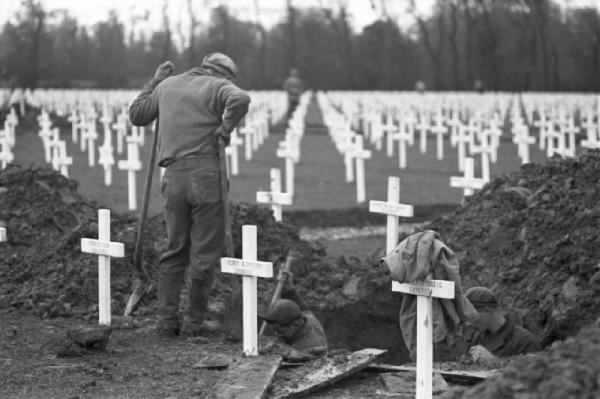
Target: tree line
<point x="508" y="45"/>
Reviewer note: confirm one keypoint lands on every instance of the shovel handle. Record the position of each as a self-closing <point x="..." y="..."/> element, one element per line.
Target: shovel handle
<point x="225" y="198"/>
<point x="277" y="294"/>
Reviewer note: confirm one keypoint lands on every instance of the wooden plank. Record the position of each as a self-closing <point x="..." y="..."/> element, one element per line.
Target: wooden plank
<point x="270" y="197"/>
<point x="333" y="370"/>
<point x="429" y="288"/>
<point x="250" y="377"/>
<point x="247" y="267"/>
<point x="106" y="248"/>
<point x="466" y="377"/>
<point x="390" y="208"/>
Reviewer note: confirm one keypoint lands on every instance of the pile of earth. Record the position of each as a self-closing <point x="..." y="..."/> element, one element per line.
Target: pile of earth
<point x="42" y="268"/>
<point x="531" y="236"/>
<point x="568" y="369"/>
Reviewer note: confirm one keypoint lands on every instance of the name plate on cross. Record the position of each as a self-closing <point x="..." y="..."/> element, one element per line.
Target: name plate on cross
<point x="242" y="267"/>
<point x="270" y="197"/>
<point x="429" y="288"/>
<point x="105" y="248"/>
<point x="391" y="208"/>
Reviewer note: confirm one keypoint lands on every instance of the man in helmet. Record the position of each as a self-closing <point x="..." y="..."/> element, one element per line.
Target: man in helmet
<point x="196" y="108"/>
<point x="294" y="324"/>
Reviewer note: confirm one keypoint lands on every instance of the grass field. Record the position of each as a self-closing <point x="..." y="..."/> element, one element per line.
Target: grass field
<point x="319" y="182"/>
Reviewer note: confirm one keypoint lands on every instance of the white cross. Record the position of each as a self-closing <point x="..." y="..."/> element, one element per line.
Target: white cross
<point x="422" y="128"/>
<point x="425" y="291"/>
<point x="89" y="137"/>
<point x="137" y="135"/>
<point x="249" y="268"/>
<point x="390" y="129"/>
<point x="468" y="183"/>
<point x="393" y="209"/>
<point x="51" y="144"/>
<point x="523" y="140"/>
<point x="592" y="140"/>
<point x="60" y="160"/>
<point x="232" y="151"/>
<point x="439" y="130"/>
<point x="404" y="138"/>
<point x="544" y="124"/>
<point x="74" y="119"/>
<point x="2" y="234"/>
<point x="359" y="154"/>
<point x="121" y="128"/>
<point x="462" y="139"/>
<point x="106" y="158"/>
<point x="247" y="132"/>
<point x="105" y="249"/>
<point x="6" y="155"/>
<point x="132" y="165"/>
<point x="275" y="197"/>
<point x="570" y="130"/>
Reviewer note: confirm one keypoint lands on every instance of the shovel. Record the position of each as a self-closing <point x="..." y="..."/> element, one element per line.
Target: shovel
<point x="142" y="280"/>
<point x="277" y="293"/>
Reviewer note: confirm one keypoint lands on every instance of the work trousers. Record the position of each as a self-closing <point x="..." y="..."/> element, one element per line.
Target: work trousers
<point x="196" y="236"/>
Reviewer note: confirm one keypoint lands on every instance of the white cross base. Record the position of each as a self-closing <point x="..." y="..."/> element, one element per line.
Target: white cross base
<point x="2" y="234"/>
<point x="105" y="249"/>
<point x="249" y="268"/>
<point x="425" y="292"/>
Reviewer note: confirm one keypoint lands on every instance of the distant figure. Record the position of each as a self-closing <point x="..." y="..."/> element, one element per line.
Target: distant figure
<point x="294" y="87"/>
<point x="497" y="335"/>
<point x="420" y="86"/>
<point x="478" y="86"/>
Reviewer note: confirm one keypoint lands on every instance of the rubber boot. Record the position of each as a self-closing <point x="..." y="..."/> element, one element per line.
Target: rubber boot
<point x="169" y="290"/>
<point x="194" y="323"/>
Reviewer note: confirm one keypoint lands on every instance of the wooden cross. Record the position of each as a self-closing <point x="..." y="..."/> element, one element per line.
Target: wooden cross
<point x="404" y="138"/>
<point x="249" y="268"/>
<point x="439" y="130"/>
<point x="74" y="119"/>
<point x="359" y="154"/>
<point x="132" y="165"/>
<point x="570" y="130"/>
<point x="390" y="129"/>
<point x="544" y="124"/>
<point x="393" y="209"/>
<point x="233" y="152"/>
<point x="522" y="139"/>
<point x="462" y="139"/>
<point x="121" y="128"/>
<point x="6" y="155"/>
<point x="105" y="249"/>
<point x="468" y="183"/>
<point x="89" y="137"/>
<point x="106" y="158"/>
<point x="275" y="197"/>
<point x="422" y="128"/>
<point x="247" y="132"/>
<point x="289" y="156"/>
<point x="60" y="160"/>
<point x="2" y="234"/>
<point x="137" y="135"/>
<point x="425" y="291"/>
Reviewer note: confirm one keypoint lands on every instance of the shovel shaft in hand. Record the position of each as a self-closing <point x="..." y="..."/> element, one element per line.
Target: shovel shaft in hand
<point x="225" y="198"/>
<point x="142" y="277"/>
<point x="277" y="294"/>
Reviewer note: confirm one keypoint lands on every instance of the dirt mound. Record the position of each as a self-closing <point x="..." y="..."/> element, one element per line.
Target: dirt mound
<point x="42" y="269"/>
<point x="569" y="369"/>
<point x="531" y="236"/>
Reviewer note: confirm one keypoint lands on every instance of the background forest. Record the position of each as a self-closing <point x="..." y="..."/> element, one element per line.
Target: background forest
<point x="509" y="45"/>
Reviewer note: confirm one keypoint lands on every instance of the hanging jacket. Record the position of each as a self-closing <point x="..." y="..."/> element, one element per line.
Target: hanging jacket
<point x="418" y="256"/>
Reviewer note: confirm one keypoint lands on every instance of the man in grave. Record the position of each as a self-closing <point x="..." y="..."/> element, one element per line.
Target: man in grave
<point x="196" y="108"/>
<point x="295" y="325"/>
<point x="496" y="335"/>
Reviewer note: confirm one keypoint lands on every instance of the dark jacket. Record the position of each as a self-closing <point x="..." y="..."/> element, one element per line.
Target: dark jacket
<point x="192" y="106"/>
<point x="311" y="335"/>
<point x="509" y="340"/>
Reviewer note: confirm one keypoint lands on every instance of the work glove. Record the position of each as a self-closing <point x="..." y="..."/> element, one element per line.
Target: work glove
<point x="220" y="133"/>
<point x="164" y="70"/>
<point x="287" y="279"/>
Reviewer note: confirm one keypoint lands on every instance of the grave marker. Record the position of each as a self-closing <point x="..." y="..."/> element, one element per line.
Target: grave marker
<point x="360" y="154"/>
<point x="425" y="291"/>
<point x="132" y="165"/>
<point x="275" y="196"/>
<point x="393" y="209"/>
<point x="249" y="268"/>
<point x="2" y="234"/>
<point x="105" y="249"/>
<point x="468" y="183"/>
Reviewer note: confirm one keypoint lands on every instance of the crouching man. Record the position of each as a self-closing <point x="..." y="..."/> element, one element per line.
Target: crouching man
<point x="300" y="334"/>
<point x="496" y="335"/>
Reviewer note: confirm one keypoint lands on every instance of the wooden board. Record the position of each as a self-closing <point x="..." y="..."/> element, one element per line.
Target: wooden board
<point x="330" y="372"/>
<point x="247" y="267"/>
<point x="429" y="288"/>
<point x="250" y="377"/>
<point x="106" y="248"/>
<point x="465" y="377"/>
<point x="403" y="384"/>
